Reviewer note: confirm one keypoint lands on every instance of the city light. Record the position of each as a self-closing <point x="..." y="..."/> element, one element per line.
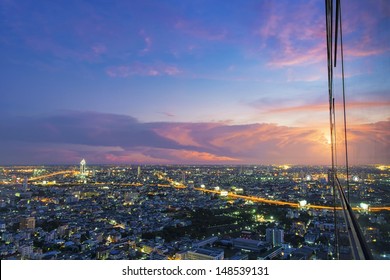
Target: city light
<point x="302" y="203"/>
<point x="195" y="130"/>
<point x="364" y="206"/>
<point x="150" y="204"/>
<point x="224" y="193"/>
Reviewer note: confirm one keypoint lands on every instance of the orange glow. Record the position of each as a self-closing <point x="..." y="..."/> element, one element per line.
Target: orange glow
<point x="325" y="106"/>
<point x="196" y="156"/>
<point x="53" y="174"/>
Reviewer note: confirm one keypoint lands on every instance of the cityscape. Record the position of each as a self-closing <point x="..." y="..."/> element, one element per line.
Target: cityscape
<point x="186" y="212"/>
<point x="194" y="130"/>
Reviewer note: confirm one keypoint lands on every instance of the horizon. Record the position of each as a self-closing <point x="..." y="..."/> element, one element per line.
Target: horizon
<point x="376" y="165"/>
<point x="189" y="83"/>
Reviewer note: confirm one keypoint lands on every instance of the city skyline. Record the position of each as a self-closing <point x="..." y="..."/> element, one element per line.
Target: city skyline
<point x="204" y="83"/>
<point x="171" y="212"/>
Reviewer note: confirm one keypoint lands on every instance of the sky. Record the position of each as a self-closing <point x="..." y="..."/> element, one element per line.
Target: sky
<point x="189" y="82"/>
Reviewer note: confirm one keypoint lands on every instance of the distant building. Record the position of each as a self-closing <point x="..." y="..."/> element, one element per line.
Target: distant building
<point x="310" y="238"/>
<point x="239" y="257"/>
<point x="330" y="177"/>
<point x="274" y="236"/>
<point x="156" y="256"/>
<point x="303" y="253"/>
<point x="139" y="171"/>
<point x="248" y="244"/>
<point x="2" y="227"/>
<point x="102" y="253"/>
<point x="183" y="179"/>
<point x="27" y="223"/>
<point x="83" y="167"/>
<point x="271" y="254"/>
<point x="205" y="254"/>
<point x="208" y="241"/>
<point x="246" y="234"/>
<point x="25" y="183"/>
<point x="26" y="251"/>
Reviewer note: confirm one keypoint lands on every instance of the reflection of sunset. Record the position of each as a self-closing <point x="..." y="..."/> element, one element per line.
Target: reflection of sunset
<point x="328" y="140"/>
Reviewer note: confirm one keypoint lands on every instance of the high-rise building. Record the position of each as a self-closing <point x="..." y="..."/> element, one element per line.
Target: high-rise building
<point x="83" y="167"/>
<point x="274" y="236"/>
<point x="25" y="183"/>
<point x="139" y="171"/>
<point x="330" y="177"/>
<point x="26" y="251"/>
<point x="183" y="179"/>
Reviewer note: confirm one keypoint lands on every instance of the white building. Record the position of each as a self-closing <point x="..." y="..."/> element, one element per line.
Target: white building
<point x="83" y="164"/>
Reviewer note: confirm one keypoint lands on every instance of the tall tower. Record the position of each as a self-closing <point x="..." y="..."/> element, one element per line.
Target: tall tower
<point x="25" y="183"/>
<point x="82" y="167"/>
<point x="139" y="172"/>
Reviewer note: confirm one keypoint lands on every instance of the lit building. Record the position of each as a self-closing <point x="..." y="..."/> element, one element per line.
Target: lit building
<point x="183" y="178"/>
<point x="25" y="183"/>
<point x="27" y="223"/>
<point x="330" y="177"/>
<point x="139" y="171"/>
<point x="274" y="236"/>
<point x="224" y="193"/>
<point x="83" y="167"/>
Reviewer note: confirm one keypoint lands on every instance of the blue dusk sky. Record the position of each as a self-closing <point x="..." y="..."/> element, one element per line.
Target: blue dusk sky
<point x="188" y="82"/>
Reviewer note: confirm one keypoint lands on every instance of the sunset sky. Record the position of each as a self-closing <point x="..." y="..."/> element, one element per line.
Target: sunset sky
<point x="192" y="82"/>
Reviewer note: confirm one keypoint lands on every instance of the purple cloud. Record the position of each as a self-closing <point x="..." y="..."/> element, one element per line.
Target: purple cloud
<point x="108" y="138"/>
<point x="141" y="69"/>
<point x="148" y="42"/>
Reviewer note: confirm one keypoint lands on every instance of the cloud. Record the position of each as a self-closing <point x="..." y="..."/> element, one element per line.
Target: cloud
<point x="167" y="114"/>
<point x="111" y="138"/>
<point x="141" y="69"/>
<point x="363" y="52"/>
<point x="325" y="106"/>
<point x="369" y="143"/>
<point x="309" y="56"/>
<point x="292" y="33"/>
<point x="99" y="49"/>
<point x="182" y="133"/>
<point x="147" y="40"/>
<point x="189" y="156"/>
<point x="364" y="34"/>
<point x="84" y="128"/>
